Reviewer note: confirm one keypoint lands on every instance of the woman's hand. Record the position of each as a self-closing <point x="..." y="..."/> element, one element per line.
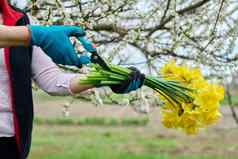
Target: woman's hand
<point x="55" y="42"/>
<point x="134" y="81"/>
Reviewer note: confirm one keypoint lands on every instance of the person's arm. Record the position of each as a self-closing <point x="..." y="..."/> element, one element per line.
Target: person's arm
<point x="55" y="82"/>
<point x="54" y="40"/>
<point x="51" y="79"/>
<point x="14" y="36"/>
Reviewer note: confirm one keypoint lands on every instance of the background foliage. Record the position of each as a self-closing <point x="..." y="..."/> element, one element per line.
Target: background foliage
<point x="152" y="31"/>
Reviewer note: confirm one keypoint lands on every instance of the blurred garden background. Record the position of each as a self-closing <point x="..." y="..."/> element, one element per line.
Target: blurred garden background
<point x="146" y="34"/>
<point x="118" y="132"/>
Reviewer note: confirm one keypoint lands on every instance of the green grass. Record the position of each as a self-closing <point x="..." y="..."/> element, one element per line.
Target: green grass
<point x="99" y="121"/>
<point x="94" y="142"/>
<point x="77" y="142"/>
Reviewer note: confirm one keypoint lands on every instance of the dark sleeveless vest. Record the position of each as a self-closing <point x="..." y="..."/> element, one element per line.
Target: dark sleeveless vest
<point x="20" y="74"/>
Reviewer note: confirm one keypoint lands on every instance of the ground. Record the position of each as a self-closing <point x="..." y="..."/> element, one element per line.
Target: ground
<point x="132" y="142"/>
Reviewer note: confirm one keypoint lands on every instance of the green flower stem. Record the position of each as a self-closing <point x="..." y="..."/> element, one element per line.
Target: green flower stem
<point x="173" y="91"/>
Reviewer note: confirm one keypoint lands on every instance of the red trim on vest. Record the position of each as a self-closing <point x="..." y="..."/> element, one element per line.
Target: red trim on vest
<point x="10" y="16"/>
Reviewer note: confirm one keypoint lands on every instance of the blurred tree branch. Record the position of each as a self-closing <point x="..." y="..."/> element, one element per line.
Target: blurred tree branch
<point x="203" y="31"/>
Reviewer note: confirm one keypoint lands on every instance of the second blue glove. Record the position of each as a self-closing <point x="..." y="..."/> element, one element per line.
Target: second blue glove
<point x="134" y="81"/>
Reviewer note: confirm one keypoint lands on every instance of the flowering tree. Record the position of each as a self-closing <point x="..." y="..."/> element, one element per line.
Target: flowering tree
<point x="203" y="31"/>
<point x="150" y="32"/>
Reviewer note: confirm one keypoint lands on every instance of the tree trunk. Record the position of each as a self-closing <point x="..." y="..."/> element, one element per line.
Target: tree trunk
<point x="230" y="103"/>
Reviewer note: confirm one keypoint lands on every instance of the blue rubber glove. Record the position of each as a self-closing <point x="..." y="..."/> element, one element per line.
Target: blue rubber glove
<point x="55" y="42"/>
<point x="84" y="59"/>
<point x="134" y="82"/>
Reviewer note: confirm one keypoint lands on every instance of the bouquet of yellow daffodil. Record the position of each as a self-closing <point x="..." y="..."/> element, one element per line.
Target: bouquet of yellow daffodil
<point x="190" y="102"/>
<point x="202" y="111"/>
